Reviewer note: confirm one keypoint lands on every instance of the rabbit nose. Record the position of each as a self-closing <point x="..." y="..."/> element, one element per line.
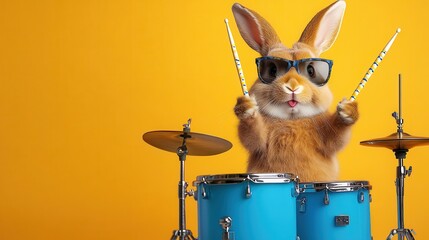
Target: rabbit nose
<point x="293" y="90"/>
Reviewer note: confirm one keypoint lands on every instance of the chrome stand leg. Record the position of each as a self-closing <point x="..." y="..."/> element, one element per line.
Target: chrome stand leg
<point x="401" y="234"/>
<point x="182" y="235"/>
<point x="401" y="173"/>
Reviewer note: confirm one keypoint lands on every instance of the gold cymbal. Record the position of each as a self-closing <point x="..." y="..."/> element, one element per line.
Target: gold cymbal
<point x="397" y="141"/>
<point x="197" y="144"/>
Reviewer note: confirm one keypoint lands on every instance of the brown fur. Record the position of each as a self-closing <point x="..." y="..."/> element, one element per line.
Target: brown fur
<point x="306" y="147"/>
<point x="302" y="140"/>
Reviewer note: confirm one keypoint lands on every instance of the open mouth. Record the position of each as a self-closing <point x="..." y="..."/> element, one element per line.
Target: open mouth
<point x="292" y="103"/>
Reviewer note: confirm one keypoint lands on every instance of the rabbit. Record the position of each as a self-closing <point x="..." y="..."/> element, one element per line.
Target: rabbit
<point x="284" y="122"/>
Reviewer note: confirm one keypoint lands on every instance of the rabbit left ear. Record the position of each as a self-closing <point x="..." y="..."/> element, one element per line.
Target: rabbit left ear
<point x="323" y="29"/>
<point x="255" y="30"/>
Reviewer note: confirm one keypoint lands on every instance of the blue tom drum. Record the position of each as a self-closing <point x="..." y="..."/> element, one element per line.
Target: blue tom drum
<point x="334" y="211"/>
<point x="247" y="206"/>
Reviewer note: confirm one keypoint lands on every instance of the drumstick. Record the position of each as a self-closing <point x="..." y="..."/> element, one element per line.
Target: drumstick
<point x="237" y="60"/>
<point x="373" y="67"/>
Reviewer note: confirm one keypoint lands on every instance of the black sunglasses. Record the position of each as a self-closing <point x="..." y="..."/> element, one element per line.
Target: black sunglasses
<point x="317" y="70"/>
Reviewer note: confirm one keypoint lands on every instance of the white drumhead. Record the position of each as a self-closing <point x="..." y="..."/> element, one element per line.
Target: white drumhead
<point x="241" y="177"/>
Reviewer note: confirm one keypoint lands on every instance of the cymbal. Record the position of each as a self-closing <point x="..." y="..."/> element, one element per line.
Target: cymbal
<point x="197" y="144"/>
<point x="397" y="141"/>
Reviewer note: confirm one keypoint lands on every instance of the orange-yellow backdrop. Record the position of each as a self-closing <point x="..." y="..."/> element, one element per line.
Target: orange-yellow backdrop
<point x="81" y="81"/>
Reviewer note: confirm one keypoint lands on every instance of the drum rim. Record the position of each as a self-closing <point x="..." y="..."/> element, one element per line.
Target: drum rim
<point x="335" y="186"/>
<point x="242" y="177"/>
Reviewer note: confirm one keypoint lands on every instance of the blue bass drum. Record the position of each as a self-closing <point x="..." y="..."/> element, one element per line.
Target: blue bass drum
<point x="334" y="211"/>
<point x="247" y="206"/>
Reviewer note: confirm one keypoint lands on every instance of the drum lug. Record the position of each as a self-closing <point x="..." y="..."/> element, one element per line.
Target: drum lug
<point x="302" y="204"/>
<point x="248" y="191"/>
<point x="326" y="198"/>
<point x="361" y="197"/>
<point x="203" y="192"/>
<point x="297" y="190"/>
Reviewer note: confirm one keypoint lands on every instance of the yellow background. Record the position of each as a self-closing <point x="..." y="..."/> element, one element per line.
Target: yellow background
<point x="81" y="81"/>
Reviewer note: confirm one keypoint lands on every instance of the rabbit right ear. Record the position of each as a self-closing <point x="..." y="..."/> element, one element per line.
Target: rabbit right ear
<point x="323" y="29"/>
<point x="255" y="30"/>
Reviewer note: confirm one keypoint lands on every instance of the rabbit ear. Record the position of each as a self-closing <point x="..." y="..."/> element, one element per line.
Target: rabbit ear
<point x="254" y="29"/>
<point x="323" y="29"/>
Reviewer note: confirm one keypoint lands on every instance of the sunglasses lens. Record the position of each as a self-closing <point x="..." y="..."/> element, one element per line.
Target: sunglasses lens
<point x="317" y="71"/>
<point x="269" y="69"/>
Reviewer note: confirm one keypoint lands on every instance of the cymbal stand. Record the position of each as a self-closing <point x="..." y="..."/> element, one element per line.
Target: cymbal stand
<point x="182" y="151"/>
<point x="401" y="173"/>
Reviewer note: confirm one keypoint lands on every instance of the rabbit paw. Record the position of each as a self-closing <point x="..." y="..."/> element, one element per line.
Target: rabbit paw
<point x="246" y="107"/>
<point x="348" y="111"/>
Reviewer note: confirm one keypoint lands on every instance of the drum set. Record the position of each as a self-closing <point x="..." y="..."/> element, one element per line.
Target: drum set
<point x="255" y="206"/>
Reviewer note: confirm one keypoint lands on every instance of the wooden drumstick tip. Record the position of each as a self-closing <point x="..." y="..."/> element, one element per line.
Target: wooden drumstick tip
<point x="398" y="30"/>
<point x="226" y="21"/>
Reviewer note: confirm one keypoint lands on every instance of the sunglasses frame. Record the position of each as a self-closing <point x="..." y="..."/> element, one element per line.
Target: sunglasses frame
<point x="294" y="64"/>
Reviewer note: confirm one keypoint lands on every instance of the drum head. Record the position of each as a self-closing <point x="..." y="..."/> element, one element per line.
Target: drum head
<point x="241" y="177"/>
<point x="341" y="186"/>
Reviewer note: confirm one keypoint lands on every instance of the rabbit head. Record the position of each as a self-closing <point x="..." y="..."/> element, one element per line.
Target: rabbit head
<point x="289" y="85"/>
